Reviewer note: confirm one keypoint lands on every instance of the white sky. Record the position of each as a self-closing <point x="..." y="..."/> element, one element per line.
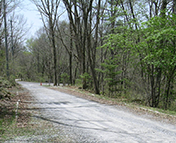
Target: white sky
<point x="29" y="10"/>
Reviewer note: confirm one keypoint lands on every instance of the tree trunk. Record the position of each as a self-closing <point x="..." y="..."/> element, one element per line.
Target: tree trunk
<point x="174" y="7"/>
<point x="70" y="55"/>
<point x="49" y="10"/>
<point x="85" y="17"/>
<point x="52" y="33"/>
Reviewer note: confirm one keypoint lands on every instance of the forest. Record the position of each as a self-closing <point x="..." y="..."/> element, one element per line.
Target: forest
<point x="117" y="48"/>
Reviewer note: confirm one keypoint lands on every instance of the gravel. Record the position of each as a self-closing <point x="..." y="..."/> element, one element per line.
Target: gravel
<point x="73" y="119"/>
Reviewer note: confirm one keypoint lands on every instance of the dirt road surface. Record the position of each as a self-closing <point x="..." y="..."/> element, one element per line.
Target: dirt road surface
<point x="86" y="121"/>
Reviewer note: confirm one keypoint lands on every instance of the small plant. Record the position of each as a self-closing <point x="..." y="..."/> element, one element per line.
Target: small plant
<point x="12" y="80"/>
<point x="5" y="83"/>
<point x="78" y="82"/>
<point x="86" y="78"/>
<point x="64" y="78"/>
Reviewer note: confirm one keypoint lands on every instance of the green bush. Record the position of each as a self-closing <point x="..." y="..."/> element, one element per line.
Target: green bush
<point x="78" y="82"/>
<point x="64" y="78"/>
<point x="5" y="83"/>
<point x="86" y="79"/>
<point x="12" y="80"/>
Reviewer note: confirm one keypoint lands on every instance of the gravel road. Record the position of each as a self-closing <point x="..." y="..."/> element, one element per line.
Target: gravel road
<point x="85" y="121"/>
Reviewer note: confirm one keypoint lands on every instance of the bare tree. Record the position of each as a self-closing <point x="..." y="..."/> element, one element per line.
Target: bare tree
<point x="49" y="12"/>
<point x="84" y="18"/>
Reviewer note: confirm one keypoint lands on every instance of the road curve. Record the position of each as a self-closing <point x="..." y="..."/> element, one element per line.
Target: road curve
<point x="88" y="121"/>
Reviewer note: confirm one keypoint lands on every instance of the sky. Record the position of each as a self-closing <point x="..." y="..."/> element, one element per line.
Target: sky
<point x="29" y="10"/>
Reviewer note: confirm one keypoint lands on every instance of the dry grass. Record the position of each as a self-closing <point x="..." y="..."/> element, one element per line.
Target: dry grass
<point x="26" y="127"/>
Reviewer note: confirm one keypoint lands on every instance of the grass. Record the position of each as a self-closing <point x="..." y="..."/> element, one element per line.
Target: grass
<point x="26" y="127"/>
<point x="169" y="112"/>
<point x="9" y="127"/>
<point x="46" y="85"/>
<point x="5" y="123"/>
